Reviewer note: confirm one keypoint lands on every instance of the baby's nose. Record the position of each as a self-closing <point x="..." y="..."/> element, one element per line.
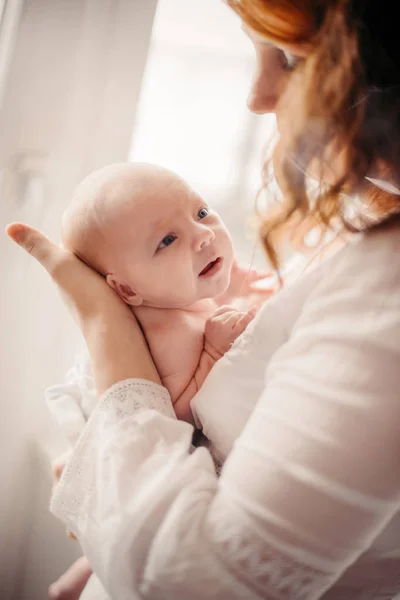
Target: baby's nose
<point x="205" y="236"/>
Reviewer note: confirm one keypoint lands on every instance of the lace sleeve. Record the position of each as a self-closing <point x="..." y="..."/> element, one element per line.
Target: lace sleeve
<point x="71" y="402"/>
<point x="134" y="423"/>
<point x="309" y="484"/>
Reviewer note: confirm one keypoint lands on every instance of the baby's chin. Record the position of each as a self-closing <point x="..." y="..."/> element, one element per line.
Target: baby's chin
<point x="206" y="289"/>
<point x="214" y="288"/>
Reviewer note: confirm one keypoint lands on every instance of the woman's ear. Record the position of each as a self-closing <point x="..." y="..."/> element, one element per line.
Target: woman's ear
<point x="124" y="291"/>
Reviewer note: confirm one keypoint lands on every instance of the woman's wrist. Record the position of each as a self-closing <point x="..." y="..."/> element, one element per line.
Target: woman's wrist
<point x="118" y="351"/>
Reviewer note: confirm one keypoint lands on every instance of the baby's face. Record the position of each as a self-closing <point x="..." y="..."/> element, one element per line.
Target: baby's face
<point x="169" y="247"/>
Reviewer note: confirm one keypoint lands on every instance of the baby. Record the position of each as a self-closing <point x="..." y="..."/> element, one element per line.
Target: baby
<point x="168" y="256"/>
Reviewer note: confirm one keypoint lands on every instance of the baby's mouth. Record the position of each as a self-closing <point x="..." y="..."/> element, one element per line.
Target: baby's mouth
<point x="211" y="267"/>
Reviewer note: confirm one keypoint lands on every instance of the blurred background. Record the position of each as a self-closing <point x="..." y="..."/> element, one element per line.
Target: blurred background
<point x="84" y="83"/>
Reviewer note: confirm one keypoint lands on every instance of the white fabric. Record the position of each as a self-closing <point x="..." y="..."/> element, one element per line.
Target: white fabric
<point x="72" y="402"/>
<point x="94" y="590"/>
<point x="306" y="409"/>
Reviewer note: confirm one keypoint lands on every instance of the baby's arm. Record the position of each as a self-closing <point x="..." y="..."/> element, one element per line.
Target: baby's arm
<point x="221" y="330"/>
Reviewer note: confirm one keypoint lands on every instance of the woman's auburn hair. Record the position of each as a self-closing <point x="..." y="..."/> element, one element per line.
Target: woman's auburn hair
<point x="331" y="102"/>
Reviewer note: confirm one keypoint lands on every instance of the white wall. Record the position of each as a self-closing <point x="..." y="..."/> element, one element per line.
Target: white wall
<point x="68" y="106"/>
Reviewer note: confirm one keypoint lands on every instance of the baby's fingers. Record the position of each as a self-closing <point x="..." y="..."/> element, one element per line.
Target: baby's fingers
<point x="222" y="310"/>
<point x="245" y="319"/>
<point x="72" y="583"/>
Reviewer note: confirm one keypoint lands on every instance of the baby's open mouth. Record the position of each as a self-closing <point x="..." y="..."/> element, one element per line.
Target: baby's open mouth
<point x="211" y="268"/>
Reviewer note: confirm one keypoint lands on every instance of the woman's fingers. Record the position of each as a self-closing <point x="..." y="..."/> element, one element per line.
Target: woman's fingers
<point x="255" y="275"/>
<point x="66" y="269"/>
<point x="78" y="284"/>
<point x="36" y="244"/>
<point x="263" y="292"/>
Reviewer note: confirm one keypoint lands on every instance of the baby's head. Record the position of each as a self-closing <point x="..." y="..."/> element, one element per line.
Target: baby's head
<point x="156" y="241"/>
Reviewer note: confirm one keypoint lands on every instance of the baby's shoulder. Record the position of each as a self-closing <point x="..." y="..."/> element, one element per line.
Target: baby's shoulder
<point x="160" y="324"/>
<point x="175" y="340"/>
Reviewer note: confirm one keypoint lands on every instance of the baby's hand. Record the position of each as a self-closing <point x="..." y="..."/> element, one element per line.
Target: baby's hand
<point x="223" y="327"/>
<point x="57" y="466"/>
<point x="72" y="583"/>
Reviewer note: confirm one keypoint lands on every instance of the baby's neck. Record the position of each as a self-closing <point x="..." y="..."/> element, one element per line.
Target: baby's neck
<point x="200" y="306"/>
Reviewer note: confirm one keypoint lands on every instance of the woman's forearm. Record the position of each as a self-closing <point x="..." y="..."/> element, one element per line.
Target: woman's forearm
<point x="118" y="349"/>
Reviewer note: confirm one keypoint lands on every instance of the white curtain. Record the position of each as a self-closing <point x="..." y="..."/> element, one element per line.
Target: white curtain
<point x="72" y="72"/>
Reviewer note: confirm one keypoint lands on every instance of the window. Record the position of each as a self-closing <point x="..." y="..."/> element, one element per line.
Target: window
<point x="192" y="115"/>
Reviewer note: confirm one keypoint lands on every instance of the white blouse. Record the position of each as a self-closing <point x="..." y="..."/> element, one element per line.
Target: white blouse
<point x="305" y="408"/>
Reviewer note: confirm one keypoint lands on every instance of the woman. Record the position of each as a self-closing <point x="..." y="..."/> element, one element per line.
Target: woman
<point x="306" y="403"/>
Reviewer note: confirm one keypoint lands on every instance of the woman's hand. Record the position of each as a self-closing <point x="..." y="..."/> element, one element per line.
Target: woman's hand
<point x="84" y="291"/>
<point x="244" y="281"/>
<point x="245" y="285"/>
<point x="116" y="344"/>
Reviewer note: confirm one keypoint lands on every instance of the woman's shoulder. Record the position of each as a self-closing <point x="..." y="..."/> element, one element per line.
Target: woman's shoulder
<point x="350" y="297"/>
<point x="366" y="272"/>
<point x="356" y="296"/>
<point x="375" y="250"/>
<point x="363" y="276"/>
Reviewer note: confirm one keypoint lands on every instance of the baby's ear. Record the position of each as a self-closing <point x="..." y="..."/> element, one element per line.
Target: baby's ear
<point x="124" y="291"/>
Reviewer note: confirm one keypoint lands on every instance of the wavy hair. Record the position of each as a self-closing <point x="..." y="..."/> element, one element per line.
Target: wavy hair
<point x="341" y="105"/>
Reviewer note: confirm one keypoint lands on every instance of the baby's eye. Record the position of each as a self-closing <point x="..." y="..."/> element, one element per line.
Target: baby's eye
<point x="167" y="241"/>
<point x="203" y="213"/>
<point x="289" y="61"/>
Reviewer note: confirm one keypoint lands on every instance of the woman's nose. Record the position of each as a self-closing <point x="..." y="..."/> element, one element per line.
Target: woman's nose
<point x="261" y="103"/>
<point x="268" y="83"/>
<point x="204" y="237"/>
<point x="263" y="97"/>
